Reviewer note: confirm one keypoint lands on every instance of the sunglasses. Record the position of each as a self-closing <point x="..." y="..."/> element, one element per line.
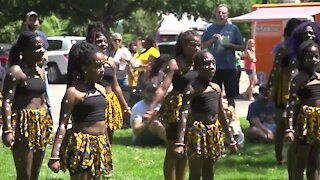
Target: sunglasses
<point x="194" y="44"/>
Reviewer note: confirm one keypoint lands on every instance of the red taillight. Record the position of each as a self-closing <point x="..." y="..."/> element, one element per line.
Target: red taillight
<point x="66" y="56"/>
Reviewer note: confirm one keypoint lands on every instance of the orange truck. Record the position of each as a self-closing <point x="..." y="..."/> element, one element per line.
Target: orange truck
<point x="267" y="24"/>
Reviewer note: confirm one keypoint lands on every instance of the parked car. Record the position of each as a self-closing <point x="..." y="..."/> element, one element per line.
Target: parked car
<point x="167" y="48"/>
<point x="58" y="51"/>
<point x="4" y="54"/>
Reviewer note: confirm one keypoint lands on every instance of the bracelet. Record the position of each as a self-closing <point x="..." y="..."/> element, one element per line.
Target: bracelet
<point x="289" y="130"/>
<point x="126" y="110"/>
<point x="54" y="158"/>
<point x="8" y="131"/>
<point x="180" y="144"/>
<point x="234" y="143"/>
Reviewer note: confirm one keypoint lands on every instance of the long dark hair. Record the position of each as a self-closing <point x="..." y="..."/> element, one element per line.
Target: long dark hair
<point x="183" y="39"/>
<point x="95" y="30"/>
<point x="80" y="54"/>
<point x="22" y="42"/>
<point x="297" y="35"/>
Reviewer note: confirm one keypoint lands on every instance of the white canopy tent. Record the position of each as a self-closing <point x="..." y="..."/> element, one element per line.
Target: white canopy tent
<point x="278" y="13"/>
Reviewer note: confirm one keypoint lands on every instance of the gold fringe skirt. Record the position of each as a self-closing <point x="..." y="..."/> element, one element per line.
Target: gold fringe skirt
<point x="205" y="140"/>
<point x="35" y="125"/>
<point x="84" y="152"/>
<point x="170" y="108"/>
<point x="308" y="124"/>
<point x="1" y="121"/>
<point x="114" y="119"/>
<point x="280" y="89"/>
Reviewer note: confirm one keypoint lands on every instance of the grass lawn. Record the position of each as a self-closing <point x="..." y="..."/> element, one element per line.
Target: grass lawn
<point x="254" y="161"/>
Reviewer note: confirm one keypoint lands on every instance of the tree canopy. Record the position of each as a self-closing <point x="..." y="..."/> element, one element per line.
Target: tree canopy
<point x="140" y="16"/>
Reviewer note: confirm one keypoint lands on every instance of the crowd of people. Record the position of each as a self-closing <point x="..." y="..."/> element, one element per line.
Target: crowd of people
<point x="177" y="101"/>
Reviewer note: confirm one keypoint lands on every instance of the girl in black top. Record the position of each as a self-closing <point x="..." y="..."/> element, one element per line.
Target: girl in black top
<point x="204" y="136"/>
<point x="180" y="74"/>
<point x="85" y="149"/>
<point x="116" y="102"/>
<point x="304" y="115"/>
<point x="27" y="125"/>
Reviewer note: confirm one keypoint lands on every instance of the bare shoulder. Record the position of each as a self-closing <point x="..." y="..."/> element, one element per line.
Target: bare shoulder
<point x="72" y="95"/>
<point x="110" y="61"/>
<point x="173" y="65"/>
<point x="100" y="88"/>
<point x="16" y="72"/>
<point x="215" y="87"/>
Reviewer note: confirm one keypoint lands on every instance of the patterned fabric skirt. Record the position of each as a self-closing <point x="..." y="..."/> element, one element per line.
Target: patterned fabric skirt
<point x="170" y="109"/>
<point x="114" y="119"/>
<point x="308" y="124"/>
<point x="205" y="140"/>
<point x="280" y="89"/>
<point x="84" y="152"/>
<point x="1" y="121"/>
<point x="34" y="124"/>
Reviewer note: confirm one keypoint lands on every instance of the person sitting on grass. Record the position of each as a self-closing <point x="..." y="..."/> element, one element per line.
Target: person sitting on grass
<point x="261" y="116"/>
<point x="146" y="131"/>
<point x="234" y="123"/>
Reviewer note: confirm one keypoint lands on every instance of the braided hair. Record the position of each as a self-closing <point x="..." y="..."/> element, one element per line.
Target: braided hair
<point x="80" y="54"/>
<point x="183" y="39"/>
<point x="23" y="41"/>
<point x="95" y="30"/>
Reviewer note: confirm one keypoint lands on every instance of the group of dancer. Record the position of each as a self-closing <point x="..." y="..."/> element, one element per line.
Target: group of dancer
<point x="294" y="87"/>
<point x="192" y="112"/>
<point x="94" y="103"/>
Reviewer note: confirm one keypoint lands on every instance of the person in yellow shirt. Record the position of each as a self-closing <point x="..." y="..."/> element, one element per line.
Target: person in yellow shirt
<point x="144" y="59"/>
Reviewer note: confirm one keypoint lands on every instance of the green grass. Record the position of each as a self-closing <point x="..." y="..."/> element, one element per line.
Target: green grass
<point x="254" y="161"/>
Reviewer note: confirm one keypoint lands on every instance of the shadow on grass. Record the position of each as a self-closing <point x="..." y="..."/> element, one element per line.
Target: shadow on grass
<point x="122" y="140"/>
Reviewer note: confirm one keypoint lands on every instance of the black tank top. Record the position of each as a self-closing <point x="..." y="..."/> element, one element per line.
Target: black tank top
<point x="180" y="81"/>
<point x="31" y="86"/>
<point x="91" y="109"/>
<point x="310" y="93"/>
<point x="206" y="103"/>
<point x="108" y="77"/>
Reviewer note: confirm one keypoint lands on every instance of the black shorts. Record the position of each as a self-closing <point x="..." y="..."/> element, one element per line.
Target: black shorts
<point x="229" y="79"/>
<point x="147" y="138"/>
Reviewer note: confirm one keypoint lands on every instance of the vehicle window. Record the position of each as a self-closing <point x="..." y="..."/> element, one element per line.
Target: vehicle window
<point x="54" y="45"/>
<point x="167" y="49"/>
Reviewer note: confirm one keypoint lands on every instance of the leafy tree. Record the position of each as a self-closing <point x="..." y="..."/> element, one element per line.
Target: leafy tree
<point x="139" y="16"/>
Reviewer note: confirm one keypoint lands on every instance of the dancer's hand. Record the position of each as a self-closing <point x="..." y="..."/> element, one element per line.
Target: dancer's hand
<point x="179" y="151"/>
<point x="128" y="111"/>
<point x="8" y="139"/>
<point x="54" y="165"/>
<point x="289" y="136"/>
<point x="233" y="146"/>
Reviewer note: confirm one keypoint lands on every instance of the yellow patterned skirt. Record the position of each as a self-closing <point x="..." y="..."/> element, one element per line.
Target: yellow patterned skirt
<point x="35" y="125"/>
<point x="280" y="89"/>
<point x="1" y="121"/>
<point x="84" y="152"/>
<point x="114" y="119"/>
<point x="308" y="124"/>
<point x="170" y="109"/>
<point x="205" y="140"/>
